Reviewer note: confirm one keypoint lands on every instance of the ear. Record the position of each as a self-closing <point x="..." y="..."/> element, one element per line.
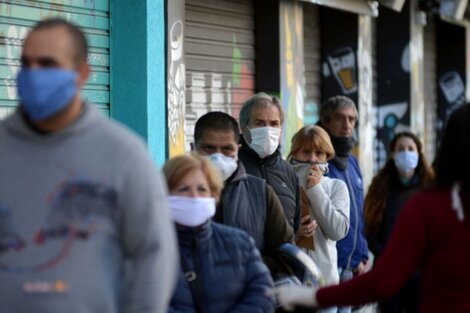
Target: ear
<point x="246" y="134"/>
<point x="83" y="71"/>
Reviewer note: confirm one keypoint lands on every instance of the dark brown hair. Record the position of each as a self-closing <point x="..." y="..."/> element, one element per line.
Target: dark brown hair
<point x="379" y="190"/>
<point x="77" y="37"/>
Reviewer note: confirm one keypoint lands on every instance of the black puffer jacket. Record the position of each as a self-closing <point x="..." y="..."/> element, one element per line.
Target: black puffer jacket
<point x="279" y="175"/>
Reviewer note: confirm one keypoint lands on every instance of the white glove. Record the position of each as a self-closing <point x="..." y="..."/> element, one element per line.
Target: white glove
<point x="291" y="296"/>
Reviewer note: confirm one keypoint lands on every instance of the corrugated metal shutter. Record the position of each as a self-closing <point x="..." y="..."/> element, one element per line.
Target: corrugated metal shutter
<point x="312" y="62"/>
<point x="17" y="18"/>
<point x="430" y="89"/>
<point x="220" y="57"/>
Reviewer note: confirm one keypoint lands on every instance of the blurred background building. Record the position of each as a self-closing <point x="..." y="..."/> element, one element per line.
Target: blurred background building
<point x="158" y="65"/>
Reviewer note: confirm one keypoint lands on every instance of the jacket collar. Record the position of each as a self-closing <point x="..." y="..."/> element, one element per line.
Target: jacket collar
<point x="239" y="174"/>
<point x="200" y="234"/>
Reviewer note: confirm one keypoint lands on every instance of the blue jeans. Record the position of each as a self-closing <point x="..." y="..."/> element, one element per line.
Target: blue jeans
<point x="344" y="275"/>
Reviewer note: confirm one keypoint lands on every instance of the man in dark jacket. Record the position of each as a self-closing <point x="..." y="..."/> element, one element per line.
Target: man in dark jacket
<point x="338" y="115"/>
<point x="247" y="202"/>
<point x="261" y="118"/>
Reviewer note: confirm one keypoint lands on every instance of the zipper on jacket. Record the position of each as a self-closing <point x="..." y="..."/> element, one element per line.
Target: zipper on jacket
<point x="263" y="172"/>
<point x="198" y="276"/>
<point x="357" y="221"/>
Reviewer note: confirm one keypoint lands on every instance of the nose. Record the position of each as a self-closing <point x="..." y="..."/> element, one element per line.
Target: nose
<point x="347" y="123"/>
<point x="313" y="158"/>
<point x="193" y="193"/>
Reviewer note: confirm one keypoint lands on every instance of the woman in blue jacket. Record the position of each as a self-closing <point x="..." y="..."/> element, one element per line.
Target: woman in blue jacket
<point x="221" y="269"/>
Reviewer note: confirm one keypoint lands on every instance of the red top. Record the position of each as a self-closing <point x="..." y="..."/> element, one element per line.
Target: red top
<point x="427" y="235"/>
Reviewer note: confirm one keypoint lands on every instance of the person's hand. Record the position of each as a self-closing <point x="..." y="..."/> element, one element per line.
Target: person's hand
<point x="314" y="176"/>
<point x="361" y="268"/>
<point x="291" y="296"/>
<point x="307" y="227"/>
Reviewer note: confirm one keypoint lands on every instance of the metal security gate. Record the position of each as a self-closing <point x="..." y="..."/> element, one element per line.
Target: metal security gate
<point x="220" y="57"/>
<point x="16" y="19"/>
<point x="312" y="62"/>
<point x="430" y="89"/>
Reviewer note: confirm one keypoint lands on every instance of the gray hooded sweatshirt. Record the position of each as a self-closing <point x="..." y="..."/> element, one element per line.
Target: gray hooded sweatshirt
<point x="84" y="223"/>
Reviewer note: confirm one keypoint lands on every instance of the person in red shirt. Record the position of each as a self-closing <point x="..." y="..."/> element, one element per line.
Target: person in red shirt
<point x="430" y="233"/>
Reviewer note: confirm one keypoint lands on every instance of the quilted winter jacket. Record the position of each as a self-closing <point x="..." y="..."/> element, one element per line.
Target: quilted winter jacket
<point x="229" y="270"/>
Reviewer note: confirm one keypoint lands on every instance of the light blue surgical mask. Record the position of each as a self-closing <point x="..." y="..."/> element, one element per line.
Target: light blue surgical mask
<point x="225" y="164"/>
<point x="44" y="92"/>
<point x="406" y="161"/>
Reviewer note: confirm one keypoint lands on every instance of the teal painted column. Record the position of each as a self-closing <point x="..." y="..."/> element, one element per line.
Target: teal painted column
<point x="138" y="67"/>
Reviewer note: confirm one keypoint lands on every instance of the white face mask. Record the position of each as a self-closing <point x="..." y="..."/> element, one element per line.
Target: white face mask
<point x="264" y="140"/>
<point x="225" y="164"/>
<point x="406" y="161"/>
<point x="190" y="211"/>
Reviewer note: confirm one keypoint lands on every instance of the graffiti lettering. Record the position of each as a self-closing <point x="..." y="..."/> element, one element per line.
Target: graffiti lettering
<point x="13" y="48"/>
<point x="176" y="92"/>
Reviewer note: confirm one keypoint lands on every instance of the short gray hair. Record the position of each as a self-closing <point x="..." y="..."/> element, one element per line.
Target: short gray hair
<point x="329" y="107"/>
<point x="258" y="101"/>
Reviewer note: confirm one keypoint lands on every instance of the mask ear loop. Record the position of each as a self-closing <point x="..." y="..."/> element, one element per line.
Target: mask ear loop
<point x="457" y="202"/>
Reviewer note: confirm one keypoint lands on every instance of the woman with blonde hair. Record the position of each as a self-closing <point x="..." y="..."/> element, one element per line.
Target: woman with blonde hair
<point x="221" y="269"/>
<point x="324" y="199"/>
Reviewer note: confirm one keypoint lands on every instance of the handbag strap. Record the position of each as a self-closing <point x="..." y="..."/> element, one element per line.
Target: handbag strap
<point x="191" y="278"/>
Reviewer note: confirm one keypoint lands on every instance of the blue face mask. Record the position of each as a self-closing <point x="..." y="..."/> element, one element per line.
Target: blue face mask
<point x="44" y="92"/>
<point x="406" y="161"/>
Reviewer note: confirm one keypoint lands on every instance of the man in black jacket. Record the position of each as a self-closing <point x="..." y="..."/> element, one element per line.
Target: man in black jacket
<point x="261" y="119"/>
<point x="247" y="202"/>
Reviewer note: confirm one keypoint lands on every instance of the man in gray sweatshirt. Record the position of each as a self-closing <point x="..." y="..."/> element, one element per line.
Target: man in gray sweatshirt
<point x="84" y="224"/>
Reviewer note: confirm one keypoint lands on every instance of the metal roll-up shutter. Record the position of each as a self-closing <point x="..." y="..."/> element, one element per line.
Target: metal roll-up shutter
<point x="17" y="18"/>
<point x="220" y="57"/>
<point x="312" y="63"/>
<point x="430" y="89"/>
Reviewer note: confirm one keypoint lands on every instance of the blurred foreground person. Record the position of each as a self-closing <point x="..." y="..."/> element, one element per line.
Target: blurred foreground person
<point x="428" y="234"/>
<point x="79" y="195"/>
<point x="221" y="269"/>
<point x="405" y="173"/>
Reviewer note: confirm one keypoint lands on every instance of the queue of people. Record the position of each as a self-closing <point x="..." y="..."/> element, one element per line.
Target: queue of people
<point x="88" y="224"/>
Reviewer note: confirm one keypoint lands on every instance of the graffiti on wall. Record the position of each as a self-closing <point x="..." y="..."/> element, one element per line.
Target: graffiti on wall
<point x="394" y="117"/>
<point x="339" y="54"/>
<point x="451" y="71"/>
<point x="452" y="88"/>
<point x="13" y="45"/>
<point x="292" y="70"/>
<point x="214" y="90"/>
<point x="342" y="63"/>
<point x="176" y="90"/>
<point x="390" y="121"/>
<point x="393" y="113"/>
